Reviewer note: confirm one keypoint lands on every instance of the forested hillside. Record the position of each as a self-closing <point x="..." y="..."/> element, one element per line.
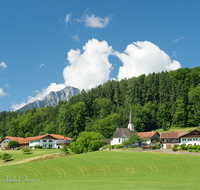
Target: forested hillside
<point x="159" y="100"/>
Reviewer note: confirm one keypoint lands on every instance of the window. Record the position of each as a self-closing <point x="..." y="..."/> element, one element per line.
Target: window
<point x="182" y="139"/>
<point x="50" y="145"/>
<point x="50" y="140"/>
<point x="44" y="140"/>
<point x="193" y="139"/>
<point x="119" y="140"/>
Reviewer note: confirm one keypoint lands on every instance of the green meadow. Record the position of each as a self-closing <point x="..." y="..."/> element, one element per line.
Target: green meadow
<point x="20" y="156"/>
<point x="107" y="170"/>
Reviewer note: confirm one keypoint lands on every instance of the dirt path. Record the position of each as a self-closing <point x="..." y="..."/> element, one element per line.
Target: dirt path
<point x="27" y="160"/>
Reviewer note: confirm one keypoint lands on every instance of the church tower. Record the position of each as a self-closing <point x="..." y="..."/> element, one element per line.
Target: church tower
<point x="130" y="125"/>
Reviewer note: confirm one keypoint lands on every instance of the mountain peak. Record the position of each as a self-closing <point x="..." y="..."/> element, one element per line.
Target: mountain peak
<point x="52" y="98"/>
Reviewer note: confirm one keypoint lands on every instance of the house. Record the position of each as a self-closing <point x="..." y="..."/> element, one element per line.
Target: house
<point x="122" y="134"/>
<point x="172" y="138"/>
<point x="149" y="136"/>
<point x="46" y="141"/>
<point x="4" y="142"/>
<point x="191" y="138"/>
<point x="60" y="143"/>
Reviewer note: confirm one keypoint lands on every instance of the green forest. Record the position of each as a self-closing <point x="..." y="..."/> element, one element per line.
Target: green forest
<point x="158" y="100"/>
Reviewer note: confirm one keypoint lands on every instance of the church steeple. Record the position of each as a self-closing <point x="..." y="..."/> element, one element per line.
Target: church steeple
<point x="130" y="118"/>
<point x="130" y="125"/>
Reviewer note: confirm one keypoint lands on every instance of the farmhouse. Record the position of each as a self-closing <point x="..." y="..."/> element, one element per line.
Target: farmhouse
<point x="170" y="139"/>
<point x="191" y="138"/>
<point x="46" y="141"/>
<point x="122" y="134"/>
<point x="4" y="142"/>
<point x="60" y="143"/>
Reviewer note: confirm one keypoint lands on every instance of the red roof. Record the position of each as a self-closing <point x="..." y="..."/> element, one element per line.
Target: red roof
<point x="147" y="134"/>
<point x="173" y="135"/>
<point x="21" y="140"/>
<point x="55" y="136"/>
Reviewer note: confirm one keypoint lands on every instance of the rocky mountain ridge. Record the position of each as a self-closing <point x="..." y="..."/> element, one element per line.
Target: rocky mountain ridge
<point x="52" y="98"/>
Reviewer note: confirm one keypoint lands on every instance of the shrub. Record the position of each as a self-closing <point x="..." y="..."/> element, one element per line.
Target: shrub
<point x="26" y="149"/>
<point x="13" y="144"/>
<point x="6" y="156"/>
<point x="65" y="149"/>
<point x="118" y="146"/>
<point x="49" y="147"/>
<point x="190" y="150"/>
<point x="107" y="146"/>
<point x="17" y="148"/>
<point x="183" y="147"/>
<point x="157" y="146"/>
<point x="196" y="151"/>
<point x="176" y="145"/>
<point x="194" y="147"/>
<point x="198" y="148"/>
<point x="174" y="148"/>
<point x="38" y="146"/>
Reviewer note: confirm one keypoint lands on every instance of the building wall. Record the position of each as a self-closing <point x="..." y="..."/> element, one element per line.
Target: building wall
<point x="190" y="140"/>
<point x="4" y="143"/>
<point x="42" y="142"/>
<point x="117" y="141"/>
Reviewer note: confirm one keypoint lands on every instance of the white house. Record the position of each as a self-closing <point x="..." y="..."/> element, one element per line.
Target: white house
<point x="191" y="138"/>
<point x="46" y="141"/>
<point x="43" y="140"/>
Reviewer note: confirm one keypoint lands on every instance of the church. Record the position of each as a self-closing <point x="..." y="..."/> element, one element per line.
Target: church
<point x="122" y="134"/>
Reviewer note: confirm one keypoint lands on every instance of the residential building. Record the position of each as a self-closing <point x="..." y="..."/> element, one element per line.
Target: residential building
<point x="191" y="138"/>
<point x="4" y="142"/>
<point x="172" y="138"/>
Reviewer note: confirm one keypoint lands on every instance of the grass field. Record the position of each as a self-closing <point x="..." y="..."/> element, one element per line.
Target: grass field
<point x="173" y="129"/>
<point x="107" y="170"/>
<point x="18" y="155"/>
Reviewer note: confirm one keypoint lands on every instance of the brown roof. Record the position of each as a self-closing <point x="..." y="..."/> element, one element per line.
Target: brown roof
<point x="21" y="140"/>
<point x="173" y="135"/>
<point x="122" y="132"/>
<point x="147" y="134"/>
<point x="191" y="134"/>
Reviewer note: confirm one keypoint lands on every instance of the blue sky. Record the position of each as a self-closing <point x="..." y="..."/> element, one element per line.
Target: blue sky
<point x="47" y="45"/>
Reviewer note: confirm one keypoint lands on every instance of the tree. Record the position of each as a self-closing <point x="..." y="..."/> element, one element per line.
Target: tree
<point x="133" y="139"/>
<point x="26" y="149"/>
<point x="65" y="149"/>
<point x="6" y="156"/>
<point x="87" y="142"/>
<point x="13" y="144"/>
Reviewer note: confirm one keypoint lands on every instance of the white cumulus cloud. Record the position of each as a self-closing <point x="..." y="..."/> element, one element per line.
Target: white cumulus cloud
<point x="89" y="68"/>
<point x="144" y="58"/>
<point x="96" y="22"/>
<point x="3" y="65"/>
<point x="2" y="92"/>
<point x="68" y="18"/>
